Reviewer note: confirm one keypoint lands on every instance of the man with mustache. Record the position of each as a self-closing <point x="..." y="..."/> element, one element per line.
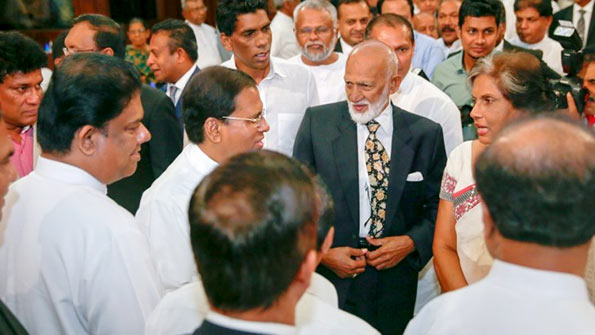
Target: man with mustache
<point x="383" y="166"/>
<point x="448" y="21"/>
<point x="316" y="32"/>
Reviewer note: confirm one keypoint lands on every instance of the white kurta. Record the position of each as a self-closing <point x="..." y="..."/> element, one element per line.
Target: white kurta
<point x="512" y="299"/>
<point x="418" y="96"/>
<point x="284" y="44"/>
<point x="330" y="80"/>
<point x="73" y="261"/>
<point x="206" y="42"/>
<point x="183" y="310"/>
<point x="552" y="51"/>
<point x="286" y="92"/>
<point x="163" y="216"/>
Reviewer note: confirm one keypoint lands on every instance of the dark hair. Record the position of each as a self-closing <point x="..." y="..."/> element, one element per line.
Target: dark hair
<point x="481" y="8"/>
<point x="537" y="179"/>
<point x="391" y="20"/>
<point x="58" y="45"/>
<point x="380" y="2"/>
<point x="211" y="93"/>
<point x="180" y="36"/>
<point x="326" y="210"/>
<point x="228" y="11"/>
<point x="252" y="222"/>
<point x="138" y="20"/>
<point x="87" y="89"/>
<point x="346" y="2"/>
<point x="19" y="54"/>
<point x="108" y="35"/>
<point x="543" y="7"/>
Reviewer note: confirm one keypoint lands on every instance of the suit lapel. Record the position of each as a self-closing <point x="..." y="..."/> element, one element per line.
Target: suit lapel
<point x="345" y="153"/>
<point x="179" y="103"/>
<point x="400" y="162"/>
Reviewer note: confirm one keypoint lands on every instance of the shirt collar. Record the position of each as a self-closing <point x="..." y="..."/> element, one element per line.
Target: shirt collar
<point x="273" y="69"/>
<point x="67" y="173"/>
<point x="407" y="83"/>
<point x="588" y="8"/>
<point x="386" y="118"/>
<point x="183" y="81"/>
<point x="199" y="159"/>
<point x="192" y="25"/>
<point x="250" y="326"/>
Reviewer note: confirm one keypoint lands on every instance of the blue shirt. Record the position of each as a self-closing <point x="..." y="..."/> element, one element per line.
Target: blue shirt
<point x="427" y="53"/>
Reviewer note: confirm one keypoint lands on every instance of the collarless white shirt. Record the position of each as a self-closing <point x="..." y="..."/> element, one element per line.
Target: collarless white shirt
<point x="73" y="260"/>
<point x="512" y="299"/>
<point x="552" y="51"/>
<point x="588" y="14"/>
<point x="418" y="96"/>
<point x="385" y="135"/>
<point x="345" y="47"/>
<point x="163" y="216"/>
<point x="330" y="80"/>
<point x="286" y="92"/>
<point x="206" y="43"/>
<point x="284" y="43"/>
<point x="180" y="85"/>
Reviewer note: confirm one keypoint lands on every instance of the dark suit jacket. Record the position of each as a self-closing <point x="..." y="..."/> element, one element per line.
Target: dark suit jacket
<point x="547" y="71"/>
<point x="179" y="103"/>
<point x="327" y="142"/>
<point x="207" y="328"/>
<point x="566" y="14"/>
<point x="156" y="155"/>
<point x="338" y="47"/>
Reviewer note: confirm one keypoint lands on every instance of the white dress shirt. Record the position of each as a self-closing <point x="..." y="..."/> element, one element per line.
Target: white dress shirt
<point x="183" y="310"/>
<point x="588" y="14"/>
<point x="73" y="261"/>
<point x="163" y="216"/>
<point x="552" y="51"/>
<point x="286" y="92"/>
<point x="418" y="96"/>
<point x="284" y="44"/>
<point x="180" y="85"/>
<point x="330" y="79"/>
<point x="206" y="42"/>
<point x="512" y="299"/>
<point x="385" y="135"/>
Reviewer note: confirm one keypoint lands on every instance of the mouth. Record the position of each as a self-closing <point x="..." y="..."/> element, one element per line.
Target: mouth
<point x="260" y="144"/>
<point x="262" y="56"/>
<point x="481" y="130"/>
<point x="136" y="155"/>
<point x="360" y="108"/>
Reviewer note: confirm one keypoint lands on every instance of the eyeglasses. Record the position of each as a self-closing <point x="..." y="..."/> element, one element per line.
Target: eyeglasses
<point x="258" y="122"/>
<point x="321" y="30"/>
<point x="68" y="51"/>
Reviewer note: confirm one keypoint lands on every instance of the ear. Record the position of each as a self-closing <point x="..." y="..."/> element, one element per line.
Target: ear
<point x="107" y="51"/>
<point x="328" y="241"/>
<point x="549" y="20"/>
<point x="308" y="266"/>
<point x="181" y="55"/>
<point x="212" y="130"/>
<point x="394" y="82"/>
<point x="86" y="140"/>
<point x="226" y="42"/>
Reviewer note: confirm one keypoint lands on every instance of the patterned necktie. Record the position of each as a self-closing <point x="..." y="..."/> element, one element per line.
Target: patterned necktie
<point x="172" y="93"/>
<point x="377" y="165"/>
<point x="580" y="25"/>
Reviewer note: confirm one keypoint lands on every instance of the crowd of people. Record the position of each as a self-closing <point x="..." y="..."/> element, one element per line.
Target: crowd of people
<point x="304" y="167"/>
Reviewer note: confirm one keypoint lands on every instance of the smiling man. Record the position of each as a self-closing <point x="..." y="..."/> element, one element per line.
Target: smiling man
<point x="21" y="60"/>
<point x="448" y="25"/>
<point x="286" y="89"/>
<point x="353" y="16"/>
<point x="383" y="166"/>
<point x="86" y="264"/>
<point x="223" y="114"/>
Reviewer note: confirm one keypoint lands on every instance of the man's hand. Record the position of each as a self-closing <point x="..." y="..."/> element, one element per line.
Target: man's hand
<point x="392" y="250"/>
<point x="345" y="261"/>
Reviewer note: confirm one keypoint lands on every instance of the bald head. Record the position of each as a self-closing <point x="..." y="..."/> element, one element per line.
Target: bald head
<point x="537" y="179"/>
<point x="376" y="54"/>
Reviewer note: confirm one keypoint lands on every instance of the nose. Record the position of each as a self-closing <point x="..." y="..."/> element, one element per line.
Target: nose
<point x="151" y="60"/>
<point x="475" y="112"/>
<point x="264" y="126"/>
<point x="263" y="39"/>
<point x="35" y="97"/>
<point x="143" y="134"/>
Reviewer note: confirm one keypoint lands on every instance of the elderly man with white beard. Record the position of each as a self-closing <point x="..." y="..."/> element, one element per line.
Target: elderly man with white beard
<point x="383" y="167"/>
<point x="316" y="33"/>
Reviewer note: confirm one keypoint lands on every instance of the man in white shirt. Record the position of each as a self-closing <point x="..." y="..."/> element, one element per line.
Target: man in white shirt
<point x="253" y="232"/>
<point x="415" y="94"/>
<point x="533" y="18"/>
<point x="284" y="44"/>
<point x="77" y="262"/>
<point x="286" y="89"/>
<point x="223" y="115"/>
<point x="195" y="13"/>
<point x="316" y="32"/>
<point x="172" y="58"/>
<point x="353" y="16"/>
<point x="538" y="218"/>
<point x="448" y="25"/>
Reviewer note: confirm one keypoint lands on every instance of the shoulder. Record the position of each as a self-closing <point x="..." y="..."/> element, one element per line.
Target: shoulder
<point x="150" y="97"/>
<point x="445" y="68"/>
<point x="416" y="123"/>
<point x="180" y="311"/>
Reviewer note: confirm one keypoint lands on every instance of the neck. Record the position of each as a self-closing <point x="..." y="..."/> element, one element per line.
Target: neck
<point x="257" y="74"/>
<point x="583" y="3"/>
<point x="74" y="160"/>
<point x="14" y="132"/>
<point x="183" y="69"/>
<point x="468" y="62"/>
<point x="282" y="311"/>
<point x="329" y="60"/>
<point x="213" y="152"/>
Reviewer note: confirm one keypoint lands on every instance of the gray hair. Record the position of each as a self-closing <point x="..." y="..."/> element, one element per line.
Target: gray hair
<point x="317" y="5"/>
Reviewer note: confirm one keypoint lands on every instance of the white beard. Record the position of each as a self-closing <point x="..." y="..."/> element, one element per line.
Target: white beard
<point x="374" y="109"/>
<point x="326" y="51"/>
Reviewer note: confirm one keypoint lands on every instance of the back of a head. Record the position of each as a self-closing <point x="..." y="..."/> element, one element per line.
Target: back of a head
<point x="481" y="8"/>
<point x="19" y="54"/>
<point x="537" y="179"/>
<point x="211" y="93"/>
<point x="180" y="36"/>
<point x="252" y="222"/>
<point x="520" y="78"/>
<point x="58" y="46"/>
<point x="87" y="89"/>
<point x="381" y="2"/>
<point x="108" y="33"/>
<point x="228" y="11"/>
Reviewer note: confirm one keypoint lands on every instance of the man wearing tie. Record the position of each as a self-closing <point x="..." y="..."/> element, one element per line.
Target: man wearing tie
<point x="580" y="14"/>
